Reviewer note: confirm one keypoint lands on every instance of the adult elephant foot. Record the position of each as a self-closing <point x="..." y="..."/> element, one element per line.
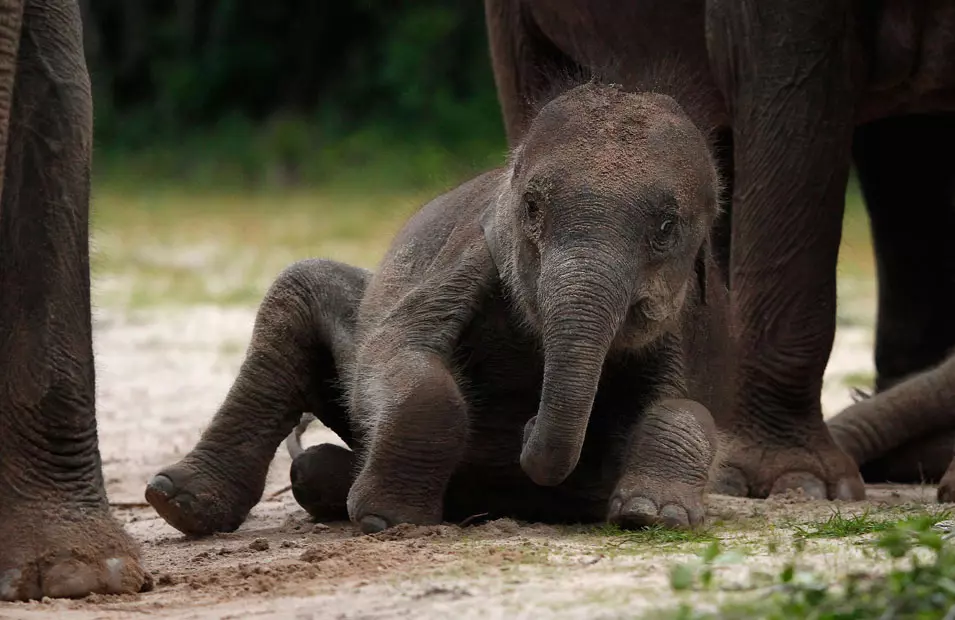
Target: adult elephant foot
<point x="66" y="551"/>
<point x="198" y="499"/>
<point x="763" y="462"/>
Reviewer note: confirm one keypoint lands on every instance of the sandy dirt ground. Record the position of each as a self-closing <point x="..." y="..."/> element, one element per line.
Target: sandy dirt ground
<point x="163" y="373"/>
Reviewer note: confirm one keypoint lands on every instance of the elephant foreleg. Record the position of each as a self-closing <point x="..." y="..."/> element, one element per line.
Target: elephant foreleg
<point x="57" y="537"/>
<point x="787" y="74"/>
<point x="667" y="467"/>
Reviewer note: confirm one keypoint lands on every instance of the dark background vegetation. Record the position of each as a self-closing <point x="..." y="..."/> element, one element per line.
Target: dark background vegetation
<point x="290" y="92"/>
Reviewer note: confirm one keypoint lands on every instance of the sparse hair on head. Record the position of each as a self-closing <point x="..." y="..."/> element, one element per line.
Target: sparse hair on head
<point x="678" y="80"/>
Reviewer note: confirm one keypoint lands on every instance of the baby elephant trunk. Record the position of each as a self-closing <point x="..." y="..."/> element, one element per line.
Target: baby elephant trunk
<point x="583" y="303"/>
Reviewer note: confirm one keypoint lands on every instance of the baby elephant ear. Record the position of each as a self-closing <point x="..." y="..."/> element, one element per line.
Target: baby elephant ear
<point x="489" y="226"/>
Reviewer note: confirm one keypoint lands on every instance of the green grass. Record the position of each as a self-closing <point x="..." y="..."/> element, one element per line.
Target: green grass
<point x="869" y="521"/>
<point x="656" y="535"/>
<point x="842" y="526"/>
<point x="913" y="577"/>
<point x="859" y="379"/>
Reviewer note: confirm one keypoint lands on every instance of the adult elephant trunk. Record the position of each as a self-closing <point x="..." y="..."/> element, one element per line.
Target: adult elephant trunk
<point x="914" y="409"/>
<point x="583" y="301"/>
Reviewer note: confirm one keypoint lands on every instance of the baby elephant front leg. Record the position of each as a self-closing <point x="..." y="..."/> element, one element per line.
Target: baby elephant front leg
<point x="666" y="468"/>
<point x="418" y="430"/>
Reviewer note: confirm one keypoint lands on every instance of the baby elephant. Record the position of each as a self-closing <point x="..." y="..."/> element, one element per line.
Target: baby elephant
<point x="536" y="344"/>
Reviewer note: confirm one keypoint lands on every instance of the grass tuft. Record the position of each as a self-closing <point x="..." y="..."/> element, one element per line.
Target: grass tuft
<point x="920" y="583"/>
<point x="839" y="525"/>
<point x="657" y="535"/>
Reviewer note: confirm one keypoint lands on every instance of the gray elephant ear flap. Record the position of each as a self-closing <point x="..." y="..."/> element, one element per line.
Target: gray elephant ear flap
<point x="489" y="226"/>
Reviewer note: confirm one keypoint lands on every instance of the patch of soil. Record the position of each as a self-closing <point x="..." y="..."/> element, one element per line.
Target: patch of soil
<point x="161" y="378"/>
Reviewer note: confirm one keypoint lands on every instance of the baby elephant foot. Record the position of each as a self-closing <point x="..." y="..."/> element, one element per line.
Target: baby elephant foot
<point x="645" y="503"/>
<point x="321" y="478"/>
<point x="199" y="500"/>
<point x="665" y="479"/>
<point x="376" y="507"/>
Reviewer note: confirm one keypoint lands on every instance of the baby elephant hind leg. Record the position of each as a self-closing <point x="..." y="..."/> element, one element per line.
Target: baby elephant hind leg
<point x="667" y="467"/>
<point x="303" y="336"/>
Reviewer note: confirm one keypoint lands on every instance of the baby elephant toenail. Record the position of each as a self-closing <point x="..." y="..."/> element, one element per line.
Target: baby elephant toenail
<point x="372" y="524"/>
<point x="162" y="484"/>
<point x="675" y="516"/>
<point x="640" y="506"/>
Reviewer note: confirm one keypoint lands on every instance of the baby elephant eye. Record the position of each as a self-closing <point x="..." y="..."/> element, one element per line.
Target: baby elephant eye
<point x="664" y="236"/>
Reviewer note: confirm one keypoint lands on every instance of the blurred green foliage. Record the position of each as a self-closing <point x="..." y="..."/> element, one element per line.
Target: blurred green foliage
<point x="291" y="92"/>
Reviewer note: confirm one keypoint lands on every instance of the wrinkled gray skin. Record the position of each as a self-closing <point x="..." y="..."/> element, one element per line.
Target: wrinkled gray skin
<point x="524" y="348"/>
<point x="57" y="537"/>
<point x="798" y="91"/>
<point x="905" y="432"/>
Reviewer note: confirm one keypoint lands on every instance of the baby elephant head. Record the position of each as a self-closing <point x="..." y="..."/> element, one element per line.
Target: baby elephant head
<point x="603" y="211"/>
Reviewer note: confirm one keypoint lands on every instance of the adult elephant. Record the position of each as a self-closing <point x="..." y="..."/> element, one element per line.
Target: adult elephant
<point x="57" y="537"/>
<point x="795" y="95"/>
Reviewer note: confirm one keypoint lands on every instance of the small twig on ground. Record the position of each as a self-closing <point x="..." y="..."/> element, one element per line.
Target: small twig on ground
<point x="284" y="489"/>
<point x="471" y="519"/>
<point x="122" y="505"/>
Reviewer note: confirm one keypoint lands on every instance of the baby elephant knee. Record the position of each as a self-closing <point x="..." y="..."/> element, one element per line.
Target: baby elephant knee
<point x="677" y="439"/>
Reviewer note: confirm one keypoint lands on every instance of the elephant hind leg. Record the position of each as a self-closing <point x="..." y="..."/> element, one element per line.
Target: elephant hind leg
<point x="903" y="433"/>
<point x="302" y="340"/>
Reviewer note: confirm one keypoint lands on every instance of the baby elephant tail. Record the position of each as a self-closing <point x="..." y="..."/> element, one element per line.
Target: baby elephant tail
<point x="294" y="441"/>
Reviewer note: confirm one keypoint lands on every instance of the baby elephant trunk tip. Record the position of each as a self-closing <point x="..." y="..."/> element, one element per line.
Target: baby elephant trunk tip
<point x="545" y="463"/>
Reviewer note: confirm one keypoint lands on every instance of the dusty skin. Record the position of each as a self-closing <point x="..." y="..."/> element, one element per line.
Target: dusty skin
<point x="161" y="375"/>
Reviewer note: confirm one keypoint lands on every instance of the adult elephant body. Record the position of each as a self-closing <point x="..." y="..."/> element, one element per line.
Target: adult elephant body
<point x="803" y="92"/>
<point x="57" y="537"/>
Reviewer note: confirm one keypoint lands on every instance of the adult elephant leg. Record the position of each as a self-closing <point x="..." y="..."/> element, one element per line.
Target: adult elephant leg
<point x="905" y="168"/>
<point x="57" y="537"/>
<point x="524" y="63"/>
<point x="788" y="81"/>
<point x="302" y="341"/>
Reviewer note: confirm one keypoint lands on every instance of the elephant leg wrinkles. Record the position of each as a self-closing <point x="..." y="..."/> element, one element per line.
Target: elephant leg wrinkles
<point x="667" y="467"/>
<point x="57" y="536"/>
<point x="790" y="91"/>
<point x="301" y="343"/>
